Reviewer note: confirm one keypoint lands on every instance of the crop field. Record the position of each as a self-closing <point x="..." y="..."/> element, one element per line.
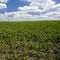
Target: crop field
<point x="33" y="40"/>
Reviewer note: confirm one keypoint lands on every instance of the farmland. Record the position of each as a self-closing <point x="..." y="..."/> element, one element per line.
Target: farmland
<point x="35" y="40"/>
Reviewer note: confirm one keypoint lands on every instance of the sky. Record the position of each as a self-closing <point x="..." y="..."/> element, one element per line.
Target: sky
<point x="29" y="10"/>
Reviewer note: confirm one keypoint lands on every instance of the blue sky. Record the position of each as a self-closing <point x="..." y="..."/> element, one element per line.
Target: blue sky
<point x="14" y="4"/>
<point x="29" y="9"/>
<point x="57" y="1"/>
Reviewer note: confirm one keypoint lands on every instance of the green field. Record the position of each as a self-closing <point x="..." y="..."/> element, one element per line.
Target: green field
<point x="35" y="40"/>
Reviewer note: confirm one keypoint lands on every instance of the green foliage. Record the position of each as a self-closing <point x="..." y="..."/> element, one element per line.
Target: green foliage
<point x="39" y="40"/>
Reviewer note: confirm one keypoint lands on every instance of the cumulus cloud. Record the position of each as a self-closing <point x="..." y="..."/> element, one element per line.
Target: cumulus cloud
<point x="29" y="9"/>
<point x="38" y="5"/>
<point x="3" y="1"/>
<point x="2" y="6"/>
<point x="45" y="9"/>
<point x="37" y="10"/>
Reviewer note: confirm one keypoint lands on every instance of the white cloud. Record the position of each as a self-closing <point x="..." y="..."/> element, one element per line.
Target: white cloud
<point x="3" y="1"/>
<point x="29" y="9"/>
<point x="2" y="6"/>
<point x="50" y="9"/>
<point x="37" y="5"/>
<point x="45" y="9"/>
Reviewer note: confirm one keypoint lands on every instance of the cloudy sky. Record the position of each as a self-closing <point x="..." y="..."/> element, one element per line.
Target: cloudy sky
<point x="21" y="10"/>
